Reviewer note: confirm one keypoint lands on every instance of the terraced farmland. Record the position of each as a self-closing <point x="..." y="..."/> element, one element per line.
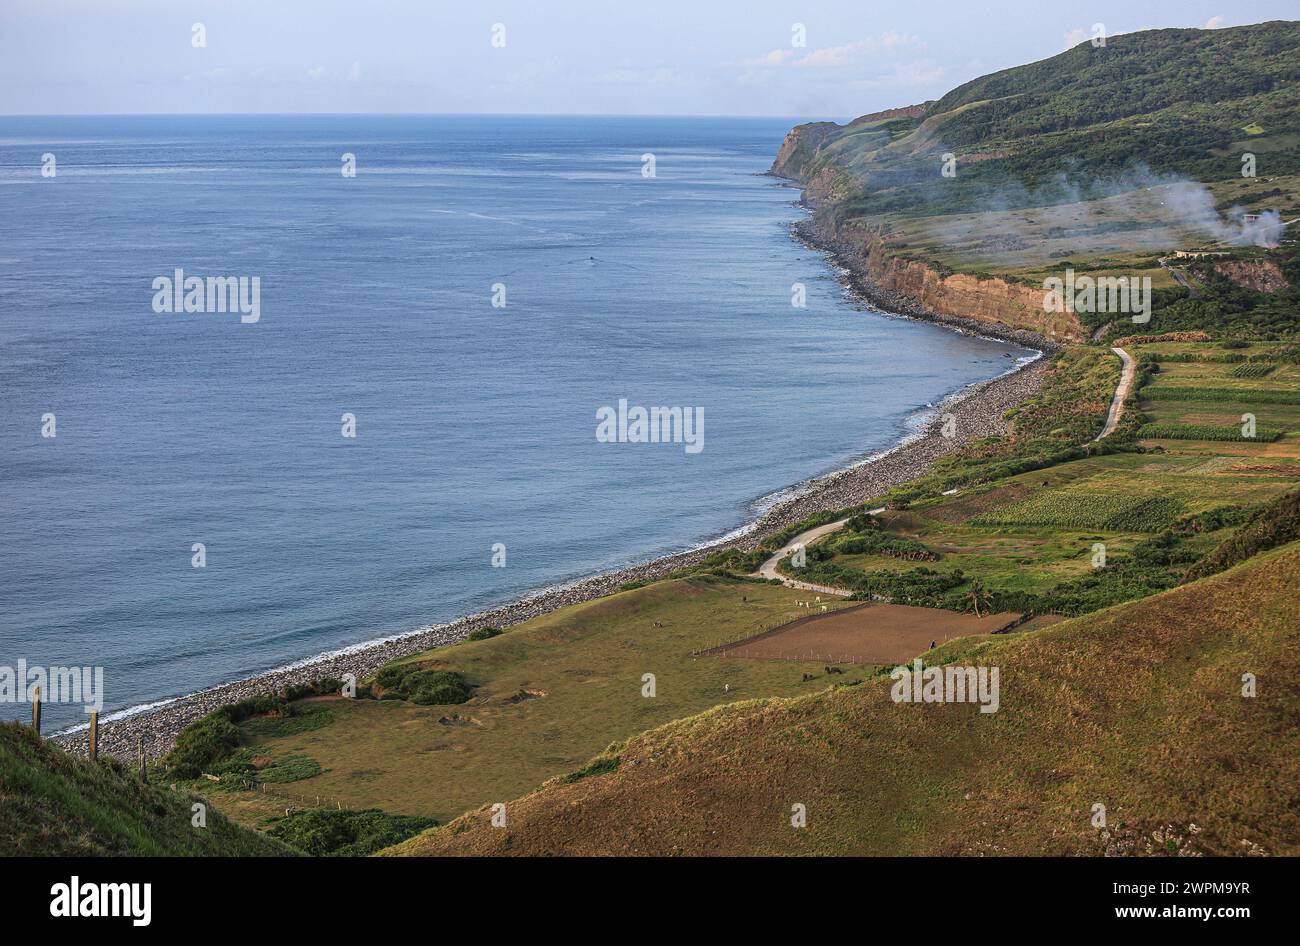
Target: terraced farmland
<point x="1204" y="398"/>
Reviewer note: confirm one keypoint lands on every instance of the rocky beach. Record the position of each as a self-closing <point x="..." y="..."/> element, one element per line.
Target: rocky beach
<point x="978" y="411"/>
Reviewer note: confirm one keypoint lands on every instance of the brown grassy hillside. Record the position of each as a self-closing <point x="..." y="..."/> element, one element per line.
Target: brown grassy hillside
<point x="1138" y="708"/>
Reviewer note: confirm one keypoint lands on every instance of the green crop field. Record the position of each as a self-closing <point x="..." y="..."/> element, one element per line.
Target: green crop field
<point x="1079" y="509"/>
<point x="1192" y="405"/>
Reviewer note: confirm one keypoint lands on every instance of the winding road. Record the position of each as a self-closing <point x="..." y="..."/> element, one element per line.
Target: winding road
<point x="806" y="538"/>
<point x="1121" y="393"/>
<point x="809" y="536"/>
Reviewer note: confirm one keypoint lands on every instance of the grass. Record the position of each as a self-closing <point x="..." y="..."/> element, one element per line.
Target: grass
<point x="1136" y="707"/>
<point x="55" y="805"/>
<point x="292" y="768"/>
<point x="548" y="695"/>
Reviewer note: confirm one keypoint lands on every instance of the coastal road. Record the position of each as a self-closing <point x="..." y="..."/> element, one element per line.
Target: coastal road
<point x="768" y="569"/>
<point x="1121" y="393"/>
<point x="806" y="538"/>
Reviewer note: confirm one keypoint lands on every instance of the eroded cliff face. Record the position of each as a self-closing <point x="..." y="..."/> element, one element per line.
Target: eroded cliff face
<point x="994" y="300"/>
<point x="902" y="284"/>
<point x="1259" y="275"/>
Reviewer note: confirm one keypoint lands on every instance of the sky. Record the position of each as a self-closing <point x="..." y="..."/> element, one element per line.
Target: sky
<point x="661" y="57"/>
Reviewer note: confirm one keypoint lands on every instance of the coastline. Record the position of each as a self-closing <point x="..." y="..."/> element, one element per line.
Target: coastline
<point x="845" y="258"/>
<point x="978" y="409"/>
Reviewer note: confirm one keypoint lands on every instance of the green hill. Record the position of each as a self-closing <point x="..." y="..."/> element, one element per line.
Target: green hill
<point x="1175" y="101"/>
<point x="1107" y="160"/>
<point x="1138" y="708"/>
<point x="52" y="804"/>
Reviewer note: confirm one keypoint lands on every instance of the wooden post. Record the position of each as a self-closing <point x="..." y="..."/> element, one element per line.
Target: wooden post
<point x="139" y="754"/>
<point x="36" y="710"/>
<point x="94" y="735"/>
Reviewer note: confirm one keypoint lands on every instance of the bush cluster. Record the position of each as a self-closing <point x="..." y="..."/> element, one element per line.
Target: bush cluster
<point x="423" y="687"/>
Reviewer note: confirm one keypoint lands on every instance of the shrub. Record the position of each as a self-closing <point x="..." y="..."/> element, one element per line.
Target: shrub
<point x="1212" y="520"/>
<point x="201" y="745"/>
<point x="326" y="832"/>
<point x="879" y="543"/>
<point x="483" y="633"/>
<point x="863" y="522"/>
<point x="423" y="687"/>
<point x="598" y="766"/>
<point x="205" y="744"/>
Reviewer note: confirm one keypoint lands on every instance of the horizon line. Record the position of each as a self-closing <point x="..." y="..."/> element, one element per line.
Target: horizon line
<point x="405" y="115"/>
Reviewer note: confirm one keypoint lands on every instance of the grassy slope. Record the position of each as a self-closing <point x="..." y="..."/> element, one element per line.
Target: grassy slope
<point x="52" y="804"/>
<point x="588" y="659"/>
<point x="1137" y="707"/>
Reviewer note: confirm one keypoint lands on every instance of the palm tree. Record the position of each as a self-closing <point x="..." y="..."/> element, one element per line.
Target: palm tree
<point x="977" y="594"/>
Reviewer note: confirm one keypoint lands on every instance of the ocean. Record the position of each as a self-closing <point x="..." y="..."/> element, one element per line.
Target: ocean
<point x="463" y="306"/>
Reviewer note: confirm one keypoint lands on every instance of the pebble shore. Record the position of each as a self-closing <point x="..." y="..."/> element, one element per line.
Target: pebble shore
<point x="978" y="411"/>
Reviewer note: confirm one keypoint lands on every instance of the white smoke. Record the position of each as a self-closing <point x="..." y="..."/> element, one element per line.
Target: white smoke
<point x="1142" y="207"/>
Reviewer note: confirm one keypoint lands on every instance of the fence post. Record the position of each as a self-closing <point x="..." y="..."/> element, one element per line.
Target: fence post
<point x="94" y="735"/>
<point x="36" y="710"/>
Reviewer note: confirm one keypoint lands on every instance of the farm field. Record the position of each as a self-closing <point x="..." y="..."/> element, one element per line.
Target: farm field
<point x="1028" y="542"/>
<point x="873" y="634"/>
<point x="549" y="694"/>
<point x="1216" y="393"/>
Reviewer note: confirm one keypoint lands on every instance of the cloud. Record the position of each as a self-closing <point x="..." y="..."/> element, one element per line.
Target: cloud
<point x="774" y="58"/>
<point x="892" y="40"/>
<point x="838" y="57"/>
<point x="1076" y="36"/>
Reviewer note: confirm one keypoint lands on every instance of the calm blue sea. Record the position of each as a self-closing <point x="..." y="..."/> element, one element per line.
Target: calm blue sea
<point x="475" y="425"/>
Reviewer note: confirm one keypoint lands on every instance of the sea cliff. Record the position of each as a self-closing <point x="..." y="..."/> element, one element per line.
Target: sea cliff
<point x="891" y="280"/>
